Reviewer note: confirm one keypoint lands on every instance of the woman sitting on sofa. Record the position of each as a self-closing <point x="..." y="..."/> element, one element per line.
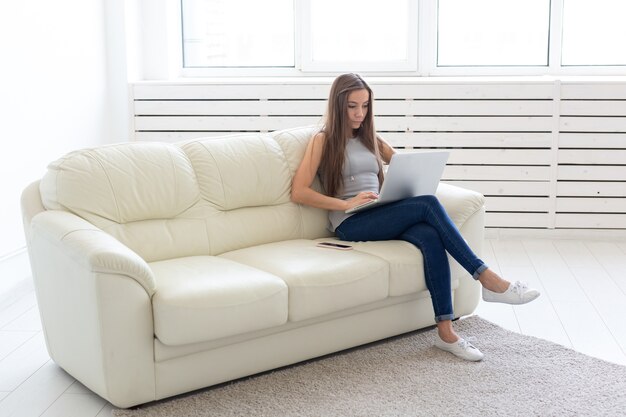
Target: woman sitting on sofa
<point x="348" y="155"/>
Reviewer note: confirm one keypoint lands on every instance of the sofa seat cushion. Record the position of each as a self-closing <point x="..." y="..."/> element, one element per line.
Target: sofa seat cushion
<point x="320" y="280"/>
<point x="202" y="298"/>
<point x="406" y="264"/>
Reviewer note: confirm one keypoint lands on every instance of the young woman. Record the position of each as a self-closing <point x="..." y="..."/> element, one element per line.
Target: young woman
<point x="348" y="155"/>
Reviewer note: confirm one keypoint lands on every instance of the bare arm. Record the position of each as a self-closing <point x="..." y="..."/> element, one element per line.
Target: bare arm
<point x="301" y="191"/>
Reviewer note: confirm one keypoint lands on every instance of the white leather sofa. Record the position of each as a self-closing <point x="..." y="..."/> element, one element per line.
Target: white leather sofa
<point x="163" y="268"/>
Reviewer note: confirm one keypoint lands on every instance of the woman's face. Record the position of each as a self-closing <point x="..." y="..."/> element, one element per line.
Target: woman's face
<point x="358" y="105"/>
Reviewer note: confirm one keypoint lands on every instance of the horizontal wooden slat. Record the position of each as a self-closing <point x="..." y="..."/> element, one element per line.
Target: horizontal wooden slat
<point x="318" y="107"/>
<point x="173" y="137"/>
<point x="469" y="140"/>
<point x="464" y="124"/>
<point x="505" y="188"/>
<point x="593" y="140"/>
<point x="518" y="204"/>
<point x="226" y="123"/>
<point x="240" y="91"/>
<point x="590" y="205"/>
<point x="409" y="140"/>
<point x="221" y="123"/>
<point x="591" y="221"/>
<point x="500" y="156"/>
<point x="464" y="107"/>
<point x="592" y="173"/>
<point x="593" y="108"/>
<point x="525" y="220"/>
<point x="592" y="156"/>
<point x="591" y="189"/>
<point x="473" y="90"/>
<point x="520" y="157"/>
<point x="593" y="124"/>
<point x="593" y="90"/>
<point x="512" y="173"/>
<point x="230" y="108"/>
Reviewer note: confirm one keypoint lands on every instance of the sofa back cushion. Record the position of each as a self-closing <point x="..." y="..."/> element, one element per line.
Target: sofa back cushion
<point x="237" y="172"/>
<point x="245" y="184"/>
<point x="121" y="183"/>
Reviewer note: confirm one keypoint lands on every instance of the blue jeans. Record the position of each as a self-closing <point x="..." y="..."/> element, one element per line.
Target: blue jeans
<point x="423" y="222"/>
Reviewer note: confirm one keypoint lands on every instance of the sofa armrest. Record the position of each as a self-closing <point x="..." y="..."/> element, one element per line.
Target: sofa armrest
<point x="460" y="203"/>
<point x="94" y="297"/>
<point x="92" y="248"/>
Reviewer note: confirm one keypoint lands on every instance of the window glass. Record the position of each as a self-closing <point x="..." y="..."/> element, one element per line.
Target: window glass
<point x="493" y="32"/>
<point x="594" y="32"/>
<point x="238" y="33"/>
<point x="359" y="30"/>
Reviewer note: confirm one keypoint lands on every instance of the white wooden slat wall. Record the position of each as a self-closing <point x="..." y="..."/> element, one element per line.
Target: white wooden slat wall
<point x="591" y="190"/>
<point x="546" y="154"/>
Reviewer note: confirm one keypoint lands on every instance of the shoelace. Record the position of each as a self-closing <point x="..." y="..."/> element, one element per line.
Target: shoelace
<point x="465" y="342"/>
<point x="519" y="287"/>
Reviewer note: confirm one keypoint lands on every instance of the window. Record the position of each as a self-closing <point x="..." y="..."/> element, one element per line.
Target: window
<point x="594" y="32"/>
<point x="238" y="33"/>
<point x="493" y="32"/>
<point x="368" y="34"/>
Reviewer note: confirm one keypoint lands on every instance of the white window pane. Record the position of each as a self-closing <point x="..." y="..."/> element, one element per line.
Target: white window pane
<point x="359" y="30"/>
<point x="238" y="33"/>
<point x="493" y="32"/>
<point x="594" y="32"/>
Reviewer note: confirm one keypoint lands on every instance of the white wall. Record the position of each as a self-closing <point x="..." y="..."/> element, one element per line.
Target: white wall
<point x="60" y="89"/>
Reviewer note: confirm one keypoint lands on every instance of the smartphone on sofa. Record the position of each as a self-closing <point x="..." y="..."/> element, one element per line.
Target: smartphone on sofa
<point x="334" y="245"/>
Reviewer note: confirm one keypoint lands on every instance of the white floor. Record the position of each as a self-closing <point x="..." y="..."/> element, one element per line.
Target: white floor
<point x="583" y="306"/>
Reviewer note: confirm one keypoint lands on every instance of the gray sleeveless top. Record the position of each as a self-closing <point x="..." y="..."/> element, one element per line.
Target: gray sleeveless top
<point x="360" y="173"/>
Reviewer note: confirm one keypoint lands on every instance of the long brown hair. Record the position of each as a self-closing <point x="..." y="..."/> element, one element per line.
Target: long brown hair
<point x="337" y="130"/>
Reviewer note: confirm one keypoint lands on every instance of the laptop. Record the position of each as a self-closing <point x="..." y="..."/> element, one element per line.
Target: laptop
<point x="409" y="175"/>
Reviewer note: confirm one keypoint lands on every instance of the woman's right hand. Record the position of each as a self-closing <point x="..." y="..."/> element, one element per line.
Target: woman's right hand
<point x="360" y="198"/>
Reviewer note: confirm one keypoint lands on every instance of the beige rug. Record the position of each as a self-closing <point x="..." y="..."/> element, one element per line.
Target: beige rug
<point x="407" y="376"/>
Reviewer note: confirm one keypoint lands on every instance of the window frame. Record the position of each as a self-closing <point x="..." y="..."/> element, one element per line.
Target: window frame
<point x="162" y="51"/>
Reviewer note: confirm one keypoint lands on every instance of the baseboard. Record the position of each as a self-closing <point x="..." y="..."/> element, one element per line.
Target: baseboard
<point x="587" y="234"/>
<point x="12" y="254"/>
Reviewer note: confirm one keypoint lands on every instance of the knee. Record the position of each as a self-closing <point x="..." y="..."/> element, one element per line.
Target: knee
<point x="429" y="200"/>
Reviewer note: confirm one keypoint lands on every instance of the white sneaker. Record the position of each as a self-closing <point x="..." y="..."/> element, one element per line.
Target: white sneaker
<point x="461" y="348"/>
<point x="517" y="293"/>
